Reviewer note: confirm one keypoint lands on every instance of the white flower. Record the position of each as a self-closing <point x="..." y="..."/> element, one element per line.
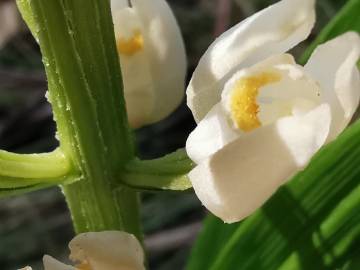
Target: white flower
<point x="261" y="117"/>
<point x="9" y="21"/>
<point x="152" y="58"/>
<point x="109" y="250"/>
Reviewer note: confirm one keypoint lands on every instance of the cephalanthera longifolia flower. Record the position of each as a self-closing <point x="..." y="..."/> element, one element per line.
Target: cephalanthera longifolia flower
<point x="152" y="58"/>
<point x="109" y="250"/>
<point x="261" y="117"/>
<point x="9" y="21"/>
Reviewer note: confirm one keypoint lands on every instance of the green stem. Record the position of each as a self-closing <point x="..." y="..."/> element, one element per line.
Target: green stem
<point x="79" y="54"/>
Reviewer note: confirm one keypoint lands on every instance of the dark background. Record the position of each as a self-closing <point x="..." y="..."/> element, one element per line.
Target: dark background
<point x="39" y="223"/>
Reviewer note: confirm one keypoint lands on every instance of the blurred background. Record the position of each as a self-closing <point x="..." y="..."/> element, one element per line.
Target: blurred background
<point x="39" y="223"/>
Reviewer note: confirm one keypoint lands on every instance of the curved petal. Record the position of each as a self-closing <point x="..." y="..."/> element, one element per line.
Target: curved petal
<point x="51" y="264"/>
<point x="211" y="134"/>
<point x="165" y="50"/>
<point x="239" y="178"/>
<point x="271" y="31"/>
<point x="333" y="65"/>
<point x="110" y="250"/>
<point x="135" y="66"/>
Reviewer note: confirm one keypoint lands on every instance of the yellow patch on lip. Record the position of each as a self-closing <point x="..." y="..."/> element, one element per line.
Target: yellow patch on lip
<point x="131" y="45"/>
<point x="244" y="109"/>
<point x="84" y="266"/>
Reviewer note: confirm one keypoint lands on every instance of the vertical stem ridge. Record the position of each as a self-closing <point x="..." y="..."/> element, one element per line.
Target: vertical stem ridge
<point x="81" y="62"/>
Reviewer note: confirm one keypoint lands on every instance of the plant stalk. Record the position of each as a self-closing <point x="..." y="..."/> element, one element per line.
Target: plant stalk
<point x="85" y="90"/>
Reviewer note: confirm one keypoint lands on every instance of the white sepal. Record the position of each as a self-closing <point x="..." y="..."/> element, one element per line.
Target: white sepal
<point x="52" y="264"/>
<point x="118" y="4"/>
<point x="9" y="21"/>
<point x="273" y="30"/>
<point x="240" y="177"/>
<point x="211" y="134"/>
<point x="152" y="57"/>
<point x="333" y="65"/>
<point x="109" y="250"/>
<point x="166" y="53"/>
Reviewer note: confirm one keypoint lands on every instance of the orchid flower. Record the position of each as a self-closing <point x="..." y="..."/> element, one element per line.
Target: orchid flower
<point x="9" y="22"/>
<point x="261" y="116"/>
<point x="152" y="58"/>
<point x="109" y="250"/>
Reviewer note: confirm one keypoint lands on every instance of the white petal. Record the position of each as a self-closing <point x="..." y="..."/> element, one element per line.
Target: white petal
<point x="118" y="4"/>
<point x="239" y="178"/>
<point x="110" y="250"/>
<point x="51" y="264"/>
<point x="211" y="134"/>
<point x="26" y="268"/>
<point x="166" y="53"/>
<point x="9" y="21"/>
<point x="333" y="65"/>
<point x="271" y="31"/>
<point x="135" y="69"/>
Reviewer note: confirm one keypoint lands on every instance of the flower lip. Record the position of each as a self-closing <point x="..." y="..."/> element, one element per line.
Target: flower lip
<point x="132" y="45"/>
<point x="83" y="266"/>
<point x="290" y="118"/>
<point x="107" y="250"/>
<point x="229" y="182"/>
<point x="274" y="88"/>
<point x="243" y="104"/>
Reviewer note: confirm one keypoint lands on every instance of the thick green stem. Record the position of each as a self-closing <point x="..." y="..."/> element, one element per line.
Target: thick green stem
<point x="79" y="54"/>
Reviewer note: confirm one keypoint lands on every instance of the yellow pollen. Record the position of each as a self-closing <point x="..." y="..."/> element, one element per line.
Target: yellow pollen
<point x="244" y="109"/>
<point x="131" y="45"/>
<point x="83" y="266"/>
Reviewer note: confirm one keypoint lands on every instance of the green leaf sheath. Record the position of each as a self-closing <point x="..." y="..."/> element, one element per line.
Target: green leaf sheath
<point x="85" y="90"/>
<point x="312" y="223"/>
<point x="166" y="173"/>
<point x="346" y="20"/>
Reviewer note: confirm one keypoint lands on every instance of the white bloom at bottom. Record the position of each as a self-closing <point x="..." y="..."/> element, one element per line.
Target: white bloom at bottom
<point x="261" y="117"/>
<point x="108" y="250"/>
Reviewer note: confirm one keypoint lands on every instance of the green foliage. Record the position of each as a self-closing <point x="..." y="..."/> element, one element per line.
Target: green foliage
<point x="313" y="222"/>
<point x="166" y="173"/>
